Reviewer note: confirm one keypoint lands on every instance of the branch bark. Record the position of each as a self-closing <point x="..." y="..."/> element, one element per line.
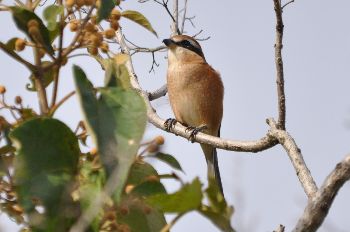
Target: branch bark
<point x="279" y="66"/>
<point x="158" y="93"/>
<point x="175" y="28"/>
<point x="294" y="153"/>
<point x="318" y="207"/>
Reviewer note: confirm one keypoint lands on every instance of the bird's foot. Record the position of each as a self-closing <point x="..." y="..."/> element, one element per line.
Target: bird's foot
<point x="195" y="131"/>
<point x="170" y="123"/>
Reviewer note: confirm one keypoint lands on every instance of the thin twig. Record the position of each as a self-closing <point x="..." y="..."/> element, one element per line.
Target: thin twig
<point x="318" y="207"/>
<point x="14" y="55"/>
<point x="168" y="226"/>
<point x="279" y="67"/>
<point x="286" y="4"/>
<point x="63" y="100"/>
<point x="154" y="63"/>
<point x="175" y="27"/>
<point x="141" y="49"/>
<point x="60" y="50"/>
<point x="38" y="80"/>
<point x="55" y="85"/>
<point x="184" y="17"/>
<point x="200" y="39"/>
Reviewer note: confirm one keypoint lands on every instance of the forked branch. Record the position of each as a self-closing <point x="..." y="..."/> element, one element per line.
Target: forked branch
<point x="318" y="207"/>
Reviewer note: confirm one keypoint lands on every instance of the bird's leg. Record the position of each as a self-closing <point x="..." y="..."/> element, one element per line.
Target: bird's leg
<point x="170" y="123"/>
<point x="194" y="131"/>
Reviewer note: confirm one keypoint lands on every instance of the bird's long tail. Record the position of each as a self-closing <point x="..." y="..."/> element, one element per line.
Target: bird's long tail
<point x="213" y="165"/>
<point x="213" y="170"/>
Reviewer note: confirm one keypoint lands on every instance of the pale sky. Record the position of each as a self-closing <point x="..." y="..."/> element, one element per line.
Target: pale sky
<point x="263" y="187"/>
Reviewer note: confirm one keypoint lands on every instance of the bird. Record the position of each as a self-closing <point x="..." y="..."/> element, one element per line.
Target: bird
<point x="196" y="95"/>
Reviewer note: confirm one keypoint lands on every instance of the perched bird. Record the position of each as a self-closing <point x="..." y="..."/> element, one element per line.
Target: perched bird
<point x="196" y="94"/>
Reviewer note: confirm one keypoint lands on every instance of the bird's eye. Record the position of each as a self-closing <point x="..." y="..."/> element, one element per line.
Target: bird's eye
<point x="186" y="43"/>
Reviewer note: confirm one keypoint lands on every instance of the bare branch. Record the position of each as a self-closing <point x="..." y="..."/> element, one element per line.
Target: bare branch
<point x="175" y="27"/>
<point x="141" y="49"/>
<point x="200" y="39"/>
<point x="286" y="4"/>
<point x="154" y="63"/>
<point x="318" y="207"/>
<point x="184" y="17"/>
<point x="158" y="93"/>
<point x="279" y="66"/>
<point x="296" y="158"/>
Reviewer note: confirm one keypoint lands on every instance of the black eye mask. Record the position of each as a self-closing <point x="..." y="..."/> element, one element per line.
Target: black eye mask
<point x="188" y="45"/>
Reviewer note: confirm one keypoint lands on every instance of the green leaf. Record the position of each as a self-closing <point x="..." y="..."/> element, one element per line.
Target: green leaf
<point x="145" y="180"/>
<point x="218" y="211"/>
<point x="91" y="185"/>
<point x="116" y="75"/>
<point x="11" y="43"/>
<point x="222" y="221"/>
<point x="50" y="15"/>
<point x="47" y="77"/>
<point x="138" y="18"/>
<point x="133" y="210"/>
<point x="22" y="16"/>
<point x="45" y="169"/>
<point x="139" y="216"/>
<point x="149" y="188"/>
<point x="140" y="172"/>
<point x="105" y="9"/>
<point x="116" y="122"/>
<point x="168" y="159"/>
<point x="188" y="198"/>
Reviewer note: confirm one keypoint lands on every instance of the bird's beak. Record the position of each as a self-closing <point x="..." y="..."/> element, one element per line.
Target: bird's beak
<point x="168" y="42"/>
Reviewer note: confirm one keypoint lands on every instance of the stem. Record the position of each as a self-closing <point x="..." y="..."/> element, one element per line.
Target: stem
<point x="63" y="100"/>
<point x="44" y="107"/>
<point x="15" y="56"/>
<point x="279" y="67"/>
<point x="60" y="48"/>
<point x="176" y="18"/>
<point x="184" y="18"/>
<point x="168" y="226"/>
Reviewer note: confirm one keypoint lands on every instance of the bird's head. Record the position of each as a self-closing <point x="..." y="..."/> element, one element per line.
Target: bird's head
<point x="183" y="48"/>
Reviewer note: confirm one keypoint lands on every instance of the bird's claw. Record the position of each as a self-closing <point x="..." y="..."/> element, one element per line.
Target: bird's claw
<point x="170" y="123"/>
<point x="195" y="131"/>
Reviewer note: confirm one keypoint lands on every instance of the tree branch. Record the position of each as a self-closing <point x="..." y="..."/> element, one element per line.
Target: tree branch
<point x="184" y="17"/>
<point x="296" y="158"/>
<point x="14" y="55"/>
<point x="279" y="66"/>
<point x="158" y="93"/>
<point x="318" y="207"/>
<point x="175" y="27"/>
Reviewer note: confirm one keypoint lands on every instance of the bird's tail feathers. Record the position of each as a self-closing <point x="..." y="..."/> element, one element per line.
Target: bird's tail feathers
<point x="213" y="166"/>
<point x="213" y="170"/>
